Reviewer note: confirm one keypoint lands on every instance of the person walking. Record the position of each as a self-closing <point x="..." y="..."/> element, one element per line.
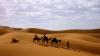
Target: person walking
<point x="68" y="45"/>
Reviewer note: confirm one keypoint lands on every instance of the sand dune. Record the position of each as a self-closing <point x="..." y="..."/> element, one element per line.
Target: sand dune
<point x="36" y="50"/>
<point x="4" y="31"/>
<point x="97" y="35"/>
<point x="21" y="36"/>
<point x="80" y="41"/>
<point x="43" y="31"/>
<point x="35" y="30"/>
<point x="82" y="36"/>
<point x="87" y="43"/>
<point x="83" y="42"/>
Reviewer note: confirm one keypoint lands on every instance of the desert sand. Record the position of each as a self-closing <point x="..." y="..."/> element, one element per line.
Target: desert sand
<point x="37" y="50"/>
<point x="80" y="41"/>
<point x="81" y="44"/>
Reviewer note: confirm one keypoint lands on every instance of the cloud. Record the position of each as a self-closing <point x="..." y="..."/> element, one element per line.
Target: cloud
<point x="60" y="14"/>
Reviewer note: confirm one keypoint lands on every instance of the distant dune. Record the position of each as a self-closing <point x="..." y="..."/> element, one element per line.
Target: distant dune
<point x="4" y="31"/>
<point x="79" y="31"/>
<point x="43" y="31"/>
<point x="35" y="30"/>
<point x="7" y="27"/>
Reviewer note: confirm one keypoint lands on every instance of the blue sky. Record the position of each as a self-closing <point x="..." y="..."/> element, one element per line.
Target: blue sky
<point x="50" y="14"/>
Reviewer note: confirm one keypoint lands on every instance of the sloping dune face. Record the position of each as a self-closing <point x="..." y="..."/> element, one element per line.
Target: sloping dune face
<point x="80" y="41"/>
<point x="4" y="31"/>
<point x="24" y="38"/>
<point x="36" y="50"/>
<point x="25" y="46"/>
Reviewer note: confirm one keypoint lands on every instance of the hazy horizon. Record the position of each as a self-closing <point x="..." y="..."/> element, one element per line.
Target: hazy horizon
<point x="50" y="14"/>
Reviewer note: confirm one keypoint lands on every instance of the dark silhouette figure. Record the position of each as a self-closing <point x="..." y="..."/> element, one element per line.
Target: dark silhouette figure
<point x="45" y="39"/>
<point x="68" y="45"/>
<point x="14" y="40"/>
<point x="55" y="40"/>
<point x="36" y="38"/>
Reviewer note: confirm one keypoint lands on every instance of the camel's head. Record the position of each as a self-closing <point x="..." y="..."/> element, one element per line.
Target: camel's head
<point x="59" y="40"/>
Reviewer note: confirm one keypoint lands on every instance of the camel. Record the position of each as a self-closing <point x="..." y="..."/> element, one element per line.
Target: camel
<point x="36" y="38"/>
<point x="45" y="39"/>
<point x="55" y="40"/>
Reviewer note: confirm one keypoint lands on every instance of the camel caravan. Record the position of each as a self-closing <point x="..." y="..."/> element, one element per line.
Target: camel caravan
<point x="44" y="40"/>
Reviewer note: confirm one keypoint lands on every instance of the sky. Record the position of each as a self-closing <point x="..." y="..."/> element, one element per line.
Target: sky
<point x="50" y="14"/>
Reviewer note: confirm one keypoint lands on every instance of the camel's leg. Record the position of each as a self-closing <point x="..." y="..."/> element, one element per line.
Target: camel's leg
<point x="47" y="42"/>
<point x="34" y="41"/>
<point x="52" y="43"/>
<point x="42" y="42"/>
<point x="37" y="41"/>
<point x="57" y="44"/>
